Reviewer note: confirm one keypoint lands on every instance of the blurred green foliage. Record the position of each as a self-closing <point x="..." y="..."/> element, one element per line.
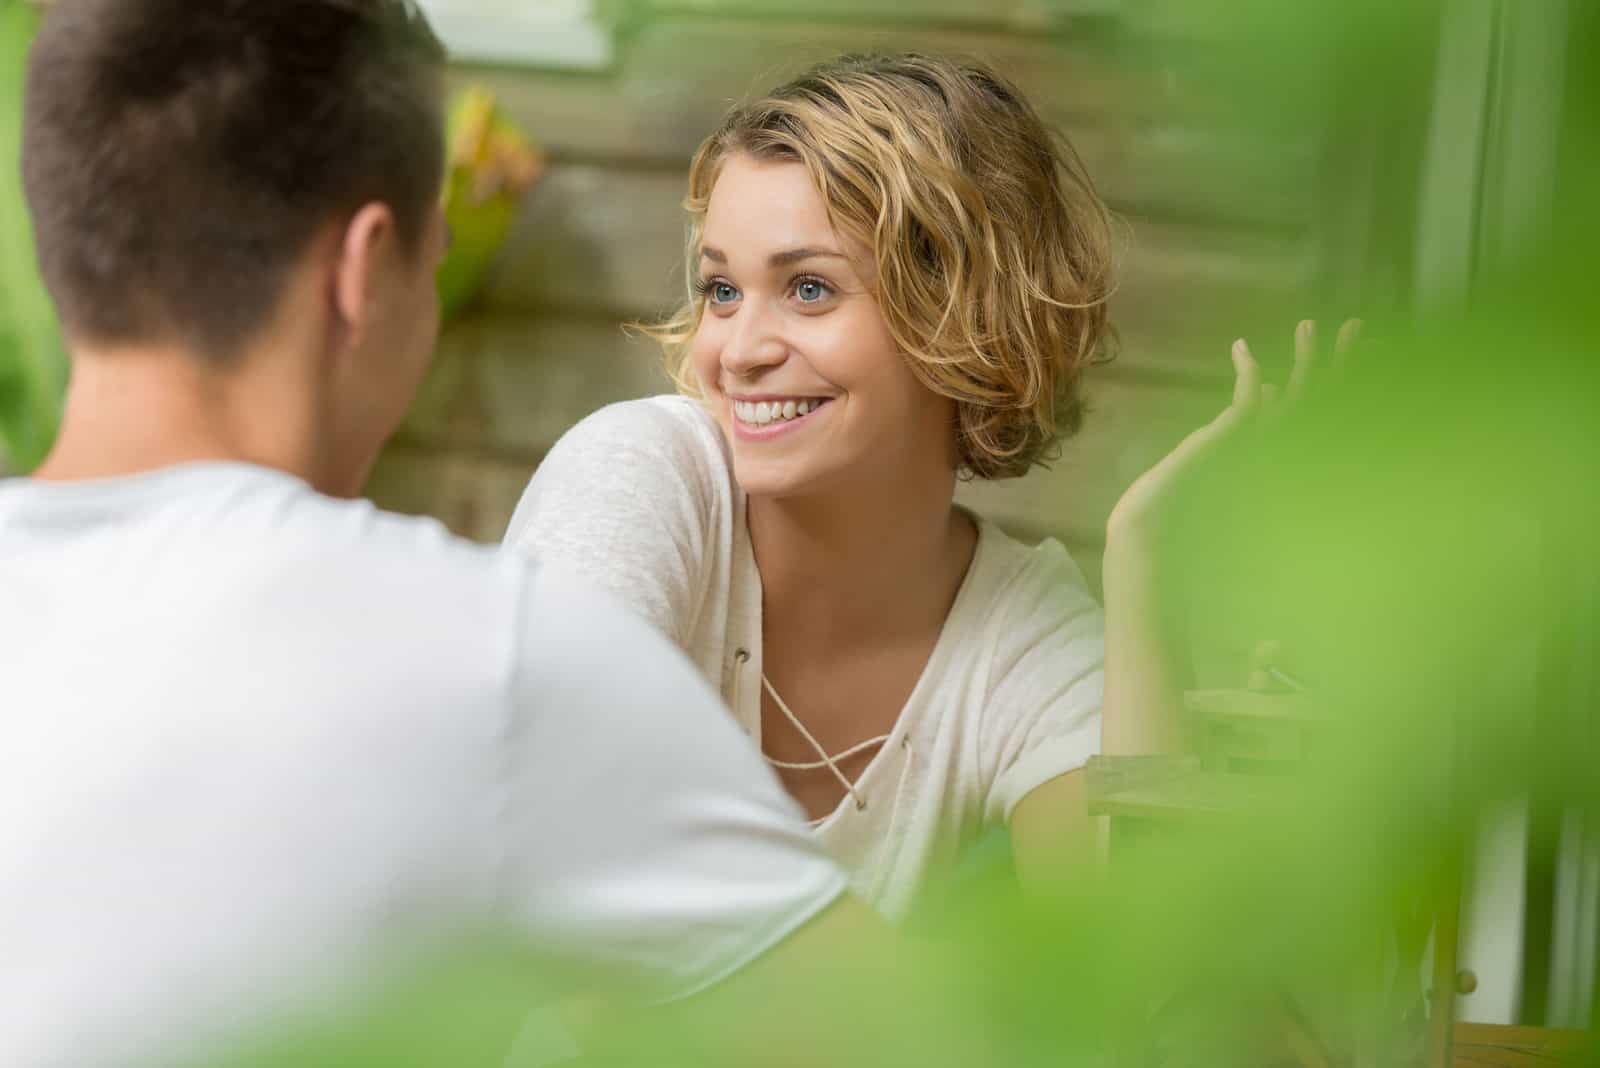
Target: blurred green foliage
<point x="1427" y="514"/>
<point x="1403" y="529"/>
<point x="1429" y="506"/>
<point x="33" y="368"/>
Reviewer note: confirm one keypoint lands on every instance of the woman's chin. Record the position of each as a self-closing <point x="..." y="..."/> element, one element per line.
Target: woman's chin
<point x="772" y="478"/>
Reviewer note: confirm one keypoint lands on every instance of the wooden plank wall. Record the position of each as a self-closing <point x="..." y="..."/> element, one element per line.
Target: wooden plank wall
<point x="1219" y="236"/>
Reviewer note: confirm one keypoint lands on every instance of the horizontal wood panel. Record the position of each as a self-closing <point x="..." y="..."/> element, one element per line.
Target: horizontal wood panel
<point x="594" y="239"/>
<point x="510" y="387"/>
<point x="1142" y="132"/>
<point x="608" y="243"/>
<point x="1022" y="14"/>
<point x="690" y="70"/>
<point x="471" y="494"/>
<point x="1192" y="20"/>
<point x="1188" y="291"/>
<point x="1092" y="71"/>
<point x="1201" y="173"/>
<point x="581" y="115"/>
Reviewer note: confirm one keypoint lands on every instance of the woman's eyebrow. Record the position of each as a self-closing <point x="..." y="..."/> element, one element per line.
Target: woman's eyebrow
<point x="795" y="255"/>
<point x="778" y="259"/>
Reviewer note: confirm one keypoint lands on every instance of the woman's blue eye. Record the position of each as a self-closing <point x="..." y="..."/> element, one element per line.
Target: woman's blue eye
<point x="723" y="293"/>
<point x="810" y="291"/>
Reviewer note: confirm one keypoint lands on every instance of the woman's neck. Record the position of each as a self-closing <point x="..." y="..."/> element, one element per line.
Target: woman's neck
<point x="868" y="564"/>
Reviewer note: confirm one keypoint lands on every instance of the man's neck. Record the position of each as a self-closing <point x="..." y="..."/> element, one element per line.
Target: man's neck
<point x="140" y="408"/>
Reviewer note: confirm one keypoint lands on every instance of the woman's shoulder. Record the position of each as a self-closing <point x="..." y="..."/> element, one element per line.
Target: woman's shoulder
<point x="1039" y="641"/>
<point x="669" y="425"/>
<point x="1030" y="607"/>
<point x="1022" y="578"/>
<point x="639" y="460"/>
<point x="647" y="442"/>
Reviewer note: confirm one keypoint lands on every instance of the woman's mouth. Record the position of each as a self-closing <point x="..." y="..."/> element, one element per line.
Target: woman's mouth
<point x="773" y="415"/>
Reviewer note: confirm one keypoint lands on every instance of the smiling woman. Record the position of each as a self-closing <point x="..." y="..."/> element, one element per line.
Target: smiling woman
<point x="969" y="226"/>
<point x="898" y="274"/>
<point x="788" y="317"/>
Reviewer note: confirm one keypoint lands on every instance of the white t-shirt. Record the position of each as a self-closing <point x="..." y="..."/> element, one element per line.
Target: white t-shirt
<point x="255" y="738"/>
<point x="640" y="498"/>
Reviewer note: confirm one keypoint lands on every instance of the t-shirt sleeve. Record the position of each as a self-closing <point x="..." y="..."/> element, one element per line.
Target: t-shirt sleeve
<point x="1047" y="679"/>
<point x="648" y="840"/>
<point x="622" y="501"/>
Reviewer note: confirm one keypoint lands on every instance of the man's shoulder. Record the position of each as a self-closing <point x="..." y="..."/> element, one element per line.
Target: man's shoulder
<point x="249" y="576"/>
<point x="249" y="536"/>
<point x="357" y="543"/>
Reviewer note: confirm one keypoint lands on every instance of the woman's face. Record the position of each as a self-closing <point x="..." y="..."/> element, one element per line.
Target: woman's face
<point x="792" y="350"/>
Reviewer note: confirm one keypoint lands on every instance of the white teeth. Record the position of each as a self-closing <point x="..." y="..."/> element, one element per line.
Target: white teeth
<point x="760" y="413"/>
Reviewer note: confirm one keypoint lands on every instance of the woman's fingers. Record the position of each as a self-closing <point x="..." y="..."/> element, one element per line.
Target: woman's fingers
<point x="1349" y="334"/>
<point x="1305" y="360"/>
<point x="1246" y="378"/>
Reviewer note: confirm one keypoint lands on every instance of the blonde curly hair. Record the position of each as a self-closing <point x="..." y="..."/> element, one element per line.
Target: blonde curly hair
<point x="993" y="250"/>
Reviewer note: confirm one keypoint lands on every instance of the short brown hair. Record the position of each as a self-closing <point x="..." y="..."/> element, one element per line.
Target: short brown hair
<point x="179" y="155"/>
<point x="993" y="250"/>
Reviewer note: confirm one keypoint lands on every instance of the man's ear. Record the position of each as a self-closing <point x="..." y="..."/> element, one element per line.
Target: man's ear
<point x="365" y="242"/>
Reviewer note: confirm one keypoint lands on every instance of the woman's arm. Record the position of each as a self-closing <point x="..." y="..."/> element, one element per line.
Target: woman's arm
<point x="1054" y="840"/>
<point x="1055" y="843"/>
<point x="1042" y="724"/>
<point x="1147" y="649"/>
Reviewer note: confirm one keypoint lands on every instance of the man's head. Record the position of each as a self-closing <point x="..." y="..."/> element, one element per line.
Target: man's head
<point x="199" y="169"/>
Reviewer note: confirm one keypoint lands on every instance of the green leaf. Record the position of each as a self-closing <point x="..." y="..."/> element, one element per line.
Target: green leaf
<point x="33" y="367"/>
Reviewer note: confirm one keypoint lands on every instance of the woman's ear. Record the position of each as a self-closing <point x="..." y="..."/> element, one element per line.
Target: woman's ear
<point x="367" y="239"/>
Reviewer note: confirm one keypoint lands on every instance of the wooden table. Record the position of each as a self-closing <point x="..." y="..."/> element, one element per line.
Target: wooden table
<point x="1494" y="1046"/>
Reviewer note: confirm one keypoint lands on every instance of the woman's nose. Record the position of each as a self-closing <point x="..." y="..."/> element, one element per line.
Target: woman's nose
<point x="753" y="344"/>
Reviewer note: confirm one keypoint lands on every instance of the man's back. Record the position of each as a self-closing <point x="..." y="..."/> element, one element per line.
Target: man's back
<point x="255" y="737"/>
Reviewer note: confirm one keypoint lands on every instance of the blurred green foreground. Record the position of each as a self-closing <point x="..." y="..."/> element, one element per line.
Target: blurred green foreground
<point x="1426" y="519"/>
<point x="1418" y="530"/>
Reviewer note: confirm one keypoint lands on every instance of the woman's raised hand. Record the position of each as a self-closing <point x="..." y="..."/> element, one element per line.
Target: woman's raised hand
<point x="1145" y="504"/>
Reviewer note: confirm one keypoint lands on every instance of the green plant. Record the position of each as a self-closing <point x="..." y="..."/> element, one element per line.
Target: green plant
<point x="491" y="165"/>
<point x="33" y="366"/>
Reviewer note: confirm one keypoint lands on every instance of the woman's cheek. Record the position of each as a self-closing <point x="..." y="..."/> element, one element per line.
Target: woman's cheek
<point x="703" y="356"/>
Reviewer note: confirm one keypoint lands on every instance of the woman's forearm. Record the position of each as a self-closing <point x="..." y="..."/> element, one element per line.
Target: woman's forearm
<point x="1147" y="659"/>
